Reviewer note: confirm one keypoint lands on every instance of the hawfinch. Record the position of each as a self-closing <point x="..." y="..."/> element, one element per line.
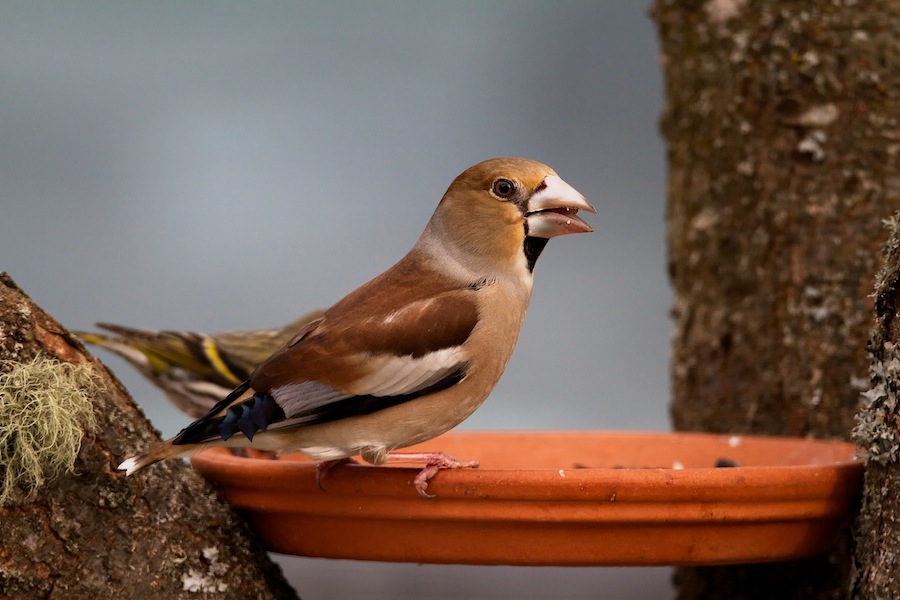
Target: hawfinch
<point x="413" y="352"/>
<point x="195" y="370"/>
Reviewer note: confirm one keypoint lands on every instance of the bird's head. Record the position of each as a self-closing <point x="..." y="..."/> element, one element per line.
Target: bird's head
<point x="504" y="209"/>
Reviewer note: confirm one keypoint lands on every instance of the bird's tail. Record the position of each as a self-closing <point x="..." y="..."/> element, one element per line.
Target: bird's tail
<point x="91" y="337"/>
<point x="155" y="453"/>
<point x="121" y="336"/>
<point x="117" y="345"/>
<point x="131" y="352"/>
<point x="215" y="429"/>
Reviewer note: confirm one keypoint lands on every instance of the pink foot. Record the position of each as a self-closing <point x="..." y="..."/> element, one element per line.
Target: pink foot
<point x="434" y="462"/>
<point x="326" y="465"/>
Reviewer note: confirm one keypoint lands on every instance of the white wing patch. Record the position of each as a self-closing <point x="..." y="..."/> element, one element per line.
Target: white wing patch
<point x="399" y="375"/>
<point x="393" y="376"/>
<point x="298" y="398"/>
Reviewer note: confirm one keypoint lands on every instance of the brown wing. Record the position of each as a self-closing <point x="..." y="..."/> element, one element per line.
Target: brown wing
<point x="345" y="347"/>
<point x="393" y="339"/>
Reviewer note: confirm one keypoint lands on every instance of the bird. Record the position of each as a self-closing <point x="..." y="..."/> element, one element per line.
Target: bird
<point x="194" y="370"/>
<point x="413" y="352"/>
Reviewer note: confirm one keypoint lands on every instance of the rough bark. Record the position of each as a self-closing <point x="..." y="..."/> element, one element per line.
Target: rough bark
<point x="877" y="557"/>
<point x="97" y="534"/>
<point x="781" y="123"/>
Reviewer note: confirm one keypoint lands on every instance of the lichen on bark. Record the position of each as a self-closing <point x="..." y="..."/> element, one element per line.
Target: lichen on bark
<point x="877" y="531"/>
<point x="45" y="408"/>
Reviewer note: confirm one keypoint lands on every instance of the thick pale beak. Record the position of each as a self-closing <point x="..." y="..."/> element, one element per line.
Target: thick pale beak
<point x="552" y="210"/>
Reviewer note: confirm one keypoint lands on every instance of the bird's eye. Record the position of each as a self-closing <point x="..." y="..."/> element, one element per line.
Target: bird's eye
<point x="503" y="188"/>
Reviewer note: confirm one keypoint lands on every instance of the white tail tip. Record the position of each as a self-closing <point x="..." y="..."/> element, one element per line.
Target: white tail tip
<point x="129" y="465"/>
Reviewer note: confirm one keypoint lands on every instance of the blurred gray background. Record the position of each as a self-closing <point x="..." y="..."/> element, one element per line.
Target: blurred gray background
<point x="213" y="166"/>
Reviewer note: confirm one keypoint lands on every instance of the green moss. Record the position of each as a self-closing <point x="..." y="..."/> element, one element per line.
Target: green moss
<point x="45" y="407"/>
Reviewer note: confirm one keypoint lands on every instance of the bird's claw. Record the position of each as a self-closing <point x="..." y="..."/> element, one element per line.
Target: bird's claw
<point x="434" y="462"/>
<point x="325" y="466"/>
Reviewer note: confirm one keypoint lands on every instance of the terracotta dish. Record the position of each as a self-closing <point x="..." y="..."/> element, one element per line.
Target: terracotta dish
<point x="559" y="498"/>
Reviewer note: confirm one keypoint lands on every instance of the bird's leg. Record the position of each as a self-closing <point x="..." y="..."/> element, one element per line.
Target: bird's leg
<point x="254" y="453"/>
<point x="434" y="462"/>
<point x="326" y="465"/>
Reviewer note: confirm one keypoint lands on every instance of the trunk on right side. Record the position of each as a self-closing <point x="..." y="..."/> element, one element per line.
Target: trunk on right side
<point x="781" y="123"/>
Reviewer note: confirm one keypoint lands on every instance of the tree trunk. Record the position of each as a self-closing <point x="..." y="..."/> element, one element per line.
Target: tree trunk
<point x="877" y="558"/>
<point x="93" y="533"/>
<point x="781" y="123"/>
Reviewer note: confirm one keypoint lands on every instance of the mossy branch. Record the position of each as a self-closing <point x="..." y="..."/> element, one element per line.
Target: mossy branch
<point x="45" y="408"/>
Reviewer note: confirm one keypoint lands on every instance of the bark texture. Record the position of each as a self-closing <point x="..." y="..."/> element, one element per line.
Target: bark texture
<point x="877" y="558"/>
<point x="781" y="123"/>
<point x="96" y="534"/>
